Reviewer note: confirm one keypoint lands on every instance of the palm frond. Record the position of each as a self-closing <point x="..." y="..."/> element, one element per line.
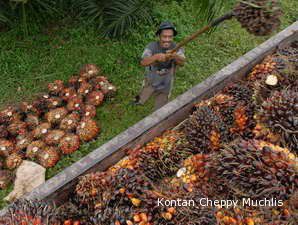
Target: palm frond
<point x="208" y="9"/>
<point x="90" y="9"/>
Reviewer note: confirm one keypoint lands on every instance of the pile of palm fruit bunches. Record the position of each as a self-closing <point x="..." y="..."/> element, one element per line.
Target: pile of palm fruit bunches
<point x="241" y="144"/>
<point x="56" y="123"/>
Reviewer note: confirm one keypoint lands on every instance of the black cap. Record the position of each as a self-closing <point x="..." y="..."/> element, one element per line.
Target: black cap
<point x="166" y="25"/>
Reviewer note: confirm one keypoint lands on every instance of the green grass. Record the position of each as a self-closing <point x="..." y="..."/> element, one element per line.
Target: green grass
<point x="26" y="66"/>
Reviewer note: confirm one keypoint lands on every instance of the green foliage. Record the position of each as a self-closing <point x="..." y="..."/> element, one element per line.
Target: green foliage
<point x="208" y="9"/>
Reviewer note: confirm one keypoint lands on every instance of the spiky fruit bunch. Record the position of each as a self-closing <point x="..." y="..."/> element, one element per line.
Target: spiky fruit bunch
<point x="25" y="212"/>
<point x="41" y="130"/>
<point x="56" y="87"/>
<point x="97" y="82"/>
<point x="26" y="107"/>
<point x="205" y="130"/>
<point x="68" y="93"/>
<point x="54" y="102"/>
<point x="53" y="137"/>
<point x="3" y="131"/>
<point x="22" y="141"/>
<point x="279" y="113"/>
<point x="87" y="129"/>
<point x="73" y="81"/>
<point x="34" y="148"/>
<point x="56" y="115"/>
<point x="239" y="92"/>
<point x="95" y="98"/>
<point x="89" y="70"/>
<point x="84" y="89"/>
<point x="6" y="177"/>
<point x="70" y="122"/>
<point x="32" y="121"/>
<point x="91" y="187"/>
<point x="161" y="157"/>
<point x="69" y="143"/>
<point x="17" y="127"/>
<point x="7" y="114"/>
<point x="262" y="69"/>
<point x="41" y="103"/>
<point x="88" y="111"/>
<point x="48" y="157"/>
<point x="6" y="147"/>
<point x="259" y="17"/>
<point x="75" y="104"/>
<point x="13" y="161"/>
<point x="257" y="170"/>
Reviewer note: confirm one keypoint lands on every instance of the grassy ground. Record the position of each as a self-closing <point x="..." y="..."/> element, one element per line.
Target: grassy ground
<point x="26" y="66"/>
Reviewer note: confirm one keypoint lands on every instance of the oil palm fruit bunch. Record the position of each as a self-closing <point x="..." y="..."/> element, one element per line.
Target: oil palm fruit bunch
<point x="259" y="71"/>
<point x="32" y="121"/>
<point x="69" y="143"/>
<point x="259" y="17"/>
<point x="22" y="141"/>
<point x="73" y="81"/>
<point x="262" y="133"/>
<point x="71" y="214"/>
<point x="95" y="98"/>
<point x="70" y="122"/>
<point x="17" y="127"/>
<point x="161" y="157"/>
<point x="6" y="177"/>
<point x="75" y="104"/>
<point x="8" y="114"/>
<point x="53" y="137"/>
<point x="3" y="131"/>
<point x="41" y="130"/>
<point x="56" y="115"/>
<point x="88" y="111"/>
<point x="107" y="89"/>
<point x="279" y="113"/>
<point x="6" y="147"/>
<point x="239" y="92"/>
<point x="89" y="70"/>
<point x="54" y="102"/>
<point x="26" y="108"/>
<point x="34" y="148"/>
<point x="87" y="129"/>
<point x="48" y="157"/>
<point x="205" y="131"/>
<point x="68" y="93"/>
<point x="84" y="89"/>
<point x="41" y="103"/>
<point x="56" y="87"/>
<point x="256" y="170"/>
<point x="98" y="81"/>
<point x="27" y="212"/>
<point x="13" y="161"/>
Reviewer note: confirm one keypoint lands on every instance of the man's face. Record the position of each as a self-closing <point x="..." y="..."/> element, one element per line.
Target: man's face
<point x="166" y="38"/>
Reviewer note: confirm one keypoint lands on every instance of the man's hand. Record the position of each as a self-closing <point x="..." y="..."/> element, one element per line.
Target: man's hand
<point x="160" y="57"/>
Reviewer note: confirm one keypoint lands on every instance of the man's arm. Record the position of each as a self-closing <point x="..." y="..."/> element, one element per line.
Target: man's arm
<point x="148" y="58"/>
<point x="179" y="57"/>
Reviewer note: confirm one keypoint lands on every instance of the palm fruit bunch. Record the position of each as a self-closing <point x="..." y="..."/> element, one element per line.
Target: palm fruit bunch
<point x="95" y="98"/>
<point x="6" y="177"/>
<point x="87" y="129"/>
<point x="92" y="188"/>
<point x="3" y="131"/>
<point x="75" y="104"/>
<point x="48" y="157"/>
<point x="262" y="133"/>
<point x="68" y="93"/>
<point x="259" y="17"/>
<point x="88" y="111"/>
<point x="69" y="143"/>
<point x="205" y="130"/>
<point x="107" y="89"/>
<point x="161" y="157"/>
<point x="84" y="89"/>
<point x="17" y="127"/>
<point x="279" y="113"/>
<point x="34" y="148"/>
<point x="56" y="115"/>
<point x="89" y="70"/>
<point x="8" y="114"/>
<point x="22" y="141"/>
<point x="32" y="121"/>
<point x="41" y="130"/>
<point x="71" y="214"/>
<point x="7" y="147"/>
<point x="261" y="70"/>
<point x="56" y="87"/>
<point x="54" y="102"/>
<point x="98" y="81"/>
<point x="27" y="108"/>
<point x="255" y="169"/>
<point x="53" y="137"/>
<point x="13" y="161"/>
<point x="73" y="81"/>
<point x="27" y="212"/>
<point x="70" y="122"/>
<point x="41" y="103"/>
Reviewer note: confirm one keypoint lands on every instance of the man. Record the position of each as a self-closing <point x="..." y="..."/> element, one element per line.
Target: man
<point x="160" y="66"/>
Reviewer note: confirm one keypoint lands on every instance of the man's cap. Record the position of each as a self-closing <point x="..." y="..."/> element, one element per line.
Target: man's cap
<point x="166" y="25"/>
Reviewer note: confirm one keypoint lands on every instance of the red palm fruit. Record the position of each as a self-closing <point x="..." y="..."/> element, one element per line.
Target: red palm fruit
<point x="6" y="177"/>
<point x="68" y="93"/>
<point x="88" y="111"/>
<point x="41" y="130"/>
<point x="54" y="102"/>
<point x="56" y="87"/>
<point x="17" y="127"/>
<point x="97" y="82"/>
<point x="7" y="114"/>
<point x="87" y="129"/>
<point x="75" y="104"/>
<point x="13" y="161"/>
<point x="95" y="98"/>
<point x="69" y="143"/>
<point x="84" y="89"/>
<point x="48" y="157"/>
<point x="89" y="70"/>
<point x="56" y="115"/>
<point x="53" y="137"/>
<point x="3" y="131"/>
<point x="22" y="141"/>
<point x="70" y="122"/>
<point x="6" y="147"/>
<point x="32" y="121"/>
<point x="34" y="148"/>
<point x="26" y="107"/>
